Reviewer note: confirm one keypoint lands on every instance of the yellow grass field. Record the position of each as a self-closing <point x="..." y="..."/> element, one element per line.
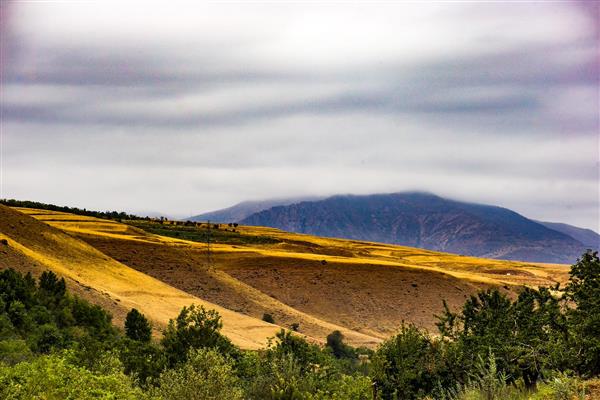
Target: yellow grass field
<point x="366" y="290"/>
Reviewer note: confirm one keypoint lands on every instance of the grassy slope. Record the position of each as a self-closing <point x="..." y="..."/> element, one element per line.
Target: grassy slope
<point x="365" y="287"/>
<point x="51" y="248"/>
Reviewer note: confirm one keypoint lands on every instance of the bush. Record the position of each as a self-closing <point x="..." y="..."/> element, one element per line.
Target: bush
<point x="268" y="318"/>
<point x="14" y="351"/>
<point x="205" y="375"/>
<point x="54" y="378"/>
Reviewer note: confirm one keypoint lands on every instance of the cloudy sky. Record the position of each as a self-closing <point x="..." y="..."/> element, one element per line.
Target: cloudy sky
<point x="187" y="107"/>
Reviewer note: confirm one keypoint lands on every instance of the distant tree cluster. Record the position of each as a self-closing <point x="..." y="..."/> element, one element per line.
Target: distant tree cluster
<point x="115" y="215"/>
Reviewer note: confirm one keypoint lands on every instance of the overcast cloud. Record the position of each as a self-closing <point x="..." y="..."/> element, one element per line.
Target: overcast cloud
<point x="182" y="107"/>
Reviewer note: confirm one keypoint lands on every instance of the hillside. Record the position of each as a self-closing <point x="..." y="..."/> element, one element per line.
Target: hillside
<point x="363" y="289"/>
<point x="425" y="221"/>
<point x="35" y="246"/>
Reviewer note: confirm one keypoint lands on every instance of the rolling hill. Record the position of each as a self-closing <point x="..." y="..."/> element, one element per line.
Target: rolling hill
<point x="366" y="290"/>
<point x="34" y="246"/>
<point x="425" y="221"/>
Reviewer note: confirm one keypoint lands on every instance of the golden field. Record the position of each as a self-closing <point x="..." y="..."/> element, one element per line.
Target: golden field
<point x="366" y="290"/>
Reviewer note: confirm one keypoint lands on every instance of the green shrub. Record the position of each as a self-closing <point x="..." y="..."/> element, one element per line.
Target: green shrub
<point x="14" y="351"/>
<point x="206" y="375"/>
<point x="54" y="378"/>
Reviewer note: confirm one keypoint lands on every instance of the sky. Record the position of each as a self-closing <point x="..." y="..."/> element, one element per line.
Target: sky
<point x="185" y="107"/>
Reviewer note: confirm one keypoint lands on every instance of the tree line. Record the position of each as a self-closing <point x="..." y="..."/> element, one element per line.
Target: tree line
<point x="115" y="215"/>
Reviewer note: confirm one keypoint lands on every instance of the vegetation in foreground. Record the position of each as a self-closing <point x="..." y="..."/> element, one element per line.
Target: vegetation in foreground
<point x="545" y="344"/>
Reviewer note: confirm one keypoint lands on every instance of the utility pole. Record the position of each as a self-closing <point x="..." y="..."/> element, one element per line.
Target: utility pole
<point x="208" y="263"/>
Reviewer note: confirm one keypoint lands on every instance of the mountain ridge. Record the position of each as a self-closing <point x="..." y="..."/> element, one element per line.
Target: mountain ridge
<point x="425" y="220"/>
<point x="241" y="210"/>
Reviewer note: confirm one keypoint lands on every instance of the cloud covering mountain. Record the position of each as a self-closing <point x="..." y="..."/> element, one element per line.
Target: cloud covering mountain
<point x="190" y="106"/>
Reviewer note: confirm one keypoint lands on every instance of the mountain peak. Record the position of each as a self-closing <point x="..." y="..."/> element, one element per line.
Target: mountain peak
<point x="425" y="220"/>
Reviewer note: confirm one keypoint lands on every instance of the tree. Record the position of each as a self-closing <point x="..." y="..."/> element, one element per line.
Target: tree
<point x="304" y="353"/>
<point x="583" y="295"/>
<point x="50" y="285"/>
<point x="483" y="325"/>
<point x="194" y="328"/>
<point x="538" y="334"/>
<point x="206" y="375"/>
<point x="268" y="318"/>
<point x="335" y="341"/>
<point x="143" y="360"/>
<point x="137" y="326"/>
<point x="406" y="365"/>
<point x="526" y="336"/>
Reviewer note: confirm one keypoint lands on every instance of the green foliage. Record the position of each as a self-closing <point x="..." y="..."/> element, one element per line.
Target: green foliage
<point x="14" y="351"/>
<point x="279" y="377"/>
<point x="306" y="355"/>
<point x="46" y="317"/>
<point x="142" y="360"/>
<point x="335" y="342"/>
<point x="137" y="326"/>
<point x="51" y="287"/>
<point x="491" y="385"/>
<point x="194" y="328"/>
<point x="494" y="348"/>
<point x="54" y="378"/>
<point x="206" y="375"/>
<point x="408" y="365"/>
<point x="526" y="335"/>
<point x="346" y="387"/>
<point x="583" y="295"/>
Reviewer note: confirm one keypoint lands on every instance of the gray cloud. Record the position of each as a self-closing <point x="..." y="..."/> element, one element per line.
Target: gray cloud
<point x="205" y="106"/>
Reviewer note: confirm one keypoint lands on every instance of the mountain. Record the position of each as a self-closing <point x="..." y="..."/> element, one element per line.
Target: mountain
<point x="586" y="236"/>
<point x="426" y="221"/>
<point x="244" y="209"/>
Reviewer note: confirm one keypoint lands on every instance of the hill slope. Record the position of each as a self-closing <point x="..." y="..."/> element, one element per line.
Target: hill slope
<point x="180" y="266"/>
<point x="425" y="221"/>
<point x="363" y="289"/>
<point x="124" y="288"/>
